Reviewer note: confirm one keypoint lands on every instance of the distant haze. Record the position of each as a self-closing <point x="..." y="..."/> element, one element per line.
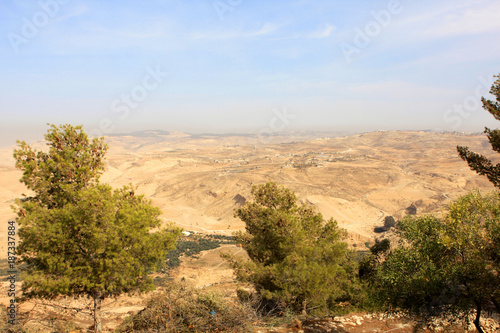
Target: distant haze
<point x="246" y="66"/>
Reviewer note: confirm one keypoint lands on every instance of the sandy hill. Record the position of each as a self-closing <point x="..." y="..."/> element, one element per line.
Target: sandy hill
<point x="199" y="180"/>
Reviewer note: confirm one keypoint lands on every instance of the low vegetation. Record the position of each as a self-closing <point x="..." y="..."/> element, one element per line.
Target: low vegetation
<point x="181" y="308"/>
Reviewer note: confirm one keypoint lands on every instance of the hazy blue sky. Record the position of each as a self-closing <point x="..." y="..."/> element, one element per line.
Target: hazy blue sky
<point x="246" y="65"/>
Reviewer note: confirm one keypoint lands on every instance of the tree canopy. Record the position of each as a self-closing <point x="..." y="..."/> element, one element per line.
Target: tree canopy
<point x="480" y="163"/>
<point x="295" y="256"/>
<point x="79" y="237"/>
<point x="72" y="163"/>
<point x="448" y="266"/>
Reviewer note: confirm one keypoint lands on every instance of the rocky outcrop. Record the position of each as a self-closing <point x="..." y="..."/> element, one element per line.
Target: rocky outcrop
<point x="239" y="199"/>
<point x="411" y="210"/>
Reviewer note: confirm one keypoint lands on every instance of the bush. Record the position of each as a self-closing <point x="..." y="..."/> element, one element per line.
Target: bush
<point x="389" y="222"/>
<point x="368" y="264"/>
<point x="185" y="309"/>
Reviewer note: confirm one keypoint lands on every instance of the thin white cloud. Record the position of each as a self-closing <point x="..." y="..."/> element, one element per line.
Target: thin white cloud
<point x="69" y="12"/>
<point x="452" y="19"/>
<point x="484" y="51"/>
<point x="323" y="33"/>
<point x="467" y="21"/>
<point x="442" y="34"/>
<point x="266" y="30"/>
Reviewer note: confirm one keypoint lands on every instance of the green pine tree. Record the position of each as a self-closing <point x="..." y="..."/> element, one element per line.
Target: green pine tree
<point x="295" y="256"/>
<point x="79" y="237"/>
<point x="477" y="162"/>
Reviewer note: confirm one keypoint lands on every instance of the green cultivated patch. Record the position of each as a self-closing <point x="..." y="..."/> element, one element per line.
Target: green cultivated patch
<point x="192" y="245"/>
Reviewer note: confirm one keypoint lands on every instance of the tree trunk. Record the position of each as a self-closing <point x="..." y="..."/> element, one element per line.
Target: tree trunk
<point x="478" y="316"/>
<point x="304" y="307"/>
<point x="97" y="314"/>
<point x="495" y="302"/>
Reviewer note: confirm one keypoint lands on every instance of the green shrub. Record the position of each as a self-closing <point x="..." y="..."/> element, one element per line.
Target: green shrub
<point x="389" y="222"/>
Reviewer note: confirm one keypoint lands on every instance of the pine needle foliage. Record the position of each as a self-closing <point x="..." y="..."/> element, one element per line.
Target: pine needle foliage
<point x="79" y="237"/>
<point x="296" y="258"/>
<point x="480" y="163"/>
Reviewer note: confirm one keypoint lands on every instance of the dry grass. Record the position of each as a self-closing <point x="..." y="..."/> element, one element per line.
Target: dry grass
<point x="184" y="309"/>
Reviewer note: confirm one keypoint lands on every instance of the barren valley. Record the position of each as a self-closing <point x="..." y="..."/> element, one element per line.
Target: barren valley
<point x="199" y="180"/>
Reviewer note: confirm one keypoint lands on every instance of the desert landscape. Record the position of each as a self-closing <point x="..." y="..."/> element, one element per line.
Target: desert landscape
<point x="199" y="180"/>
<point x="356" y="108"/>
